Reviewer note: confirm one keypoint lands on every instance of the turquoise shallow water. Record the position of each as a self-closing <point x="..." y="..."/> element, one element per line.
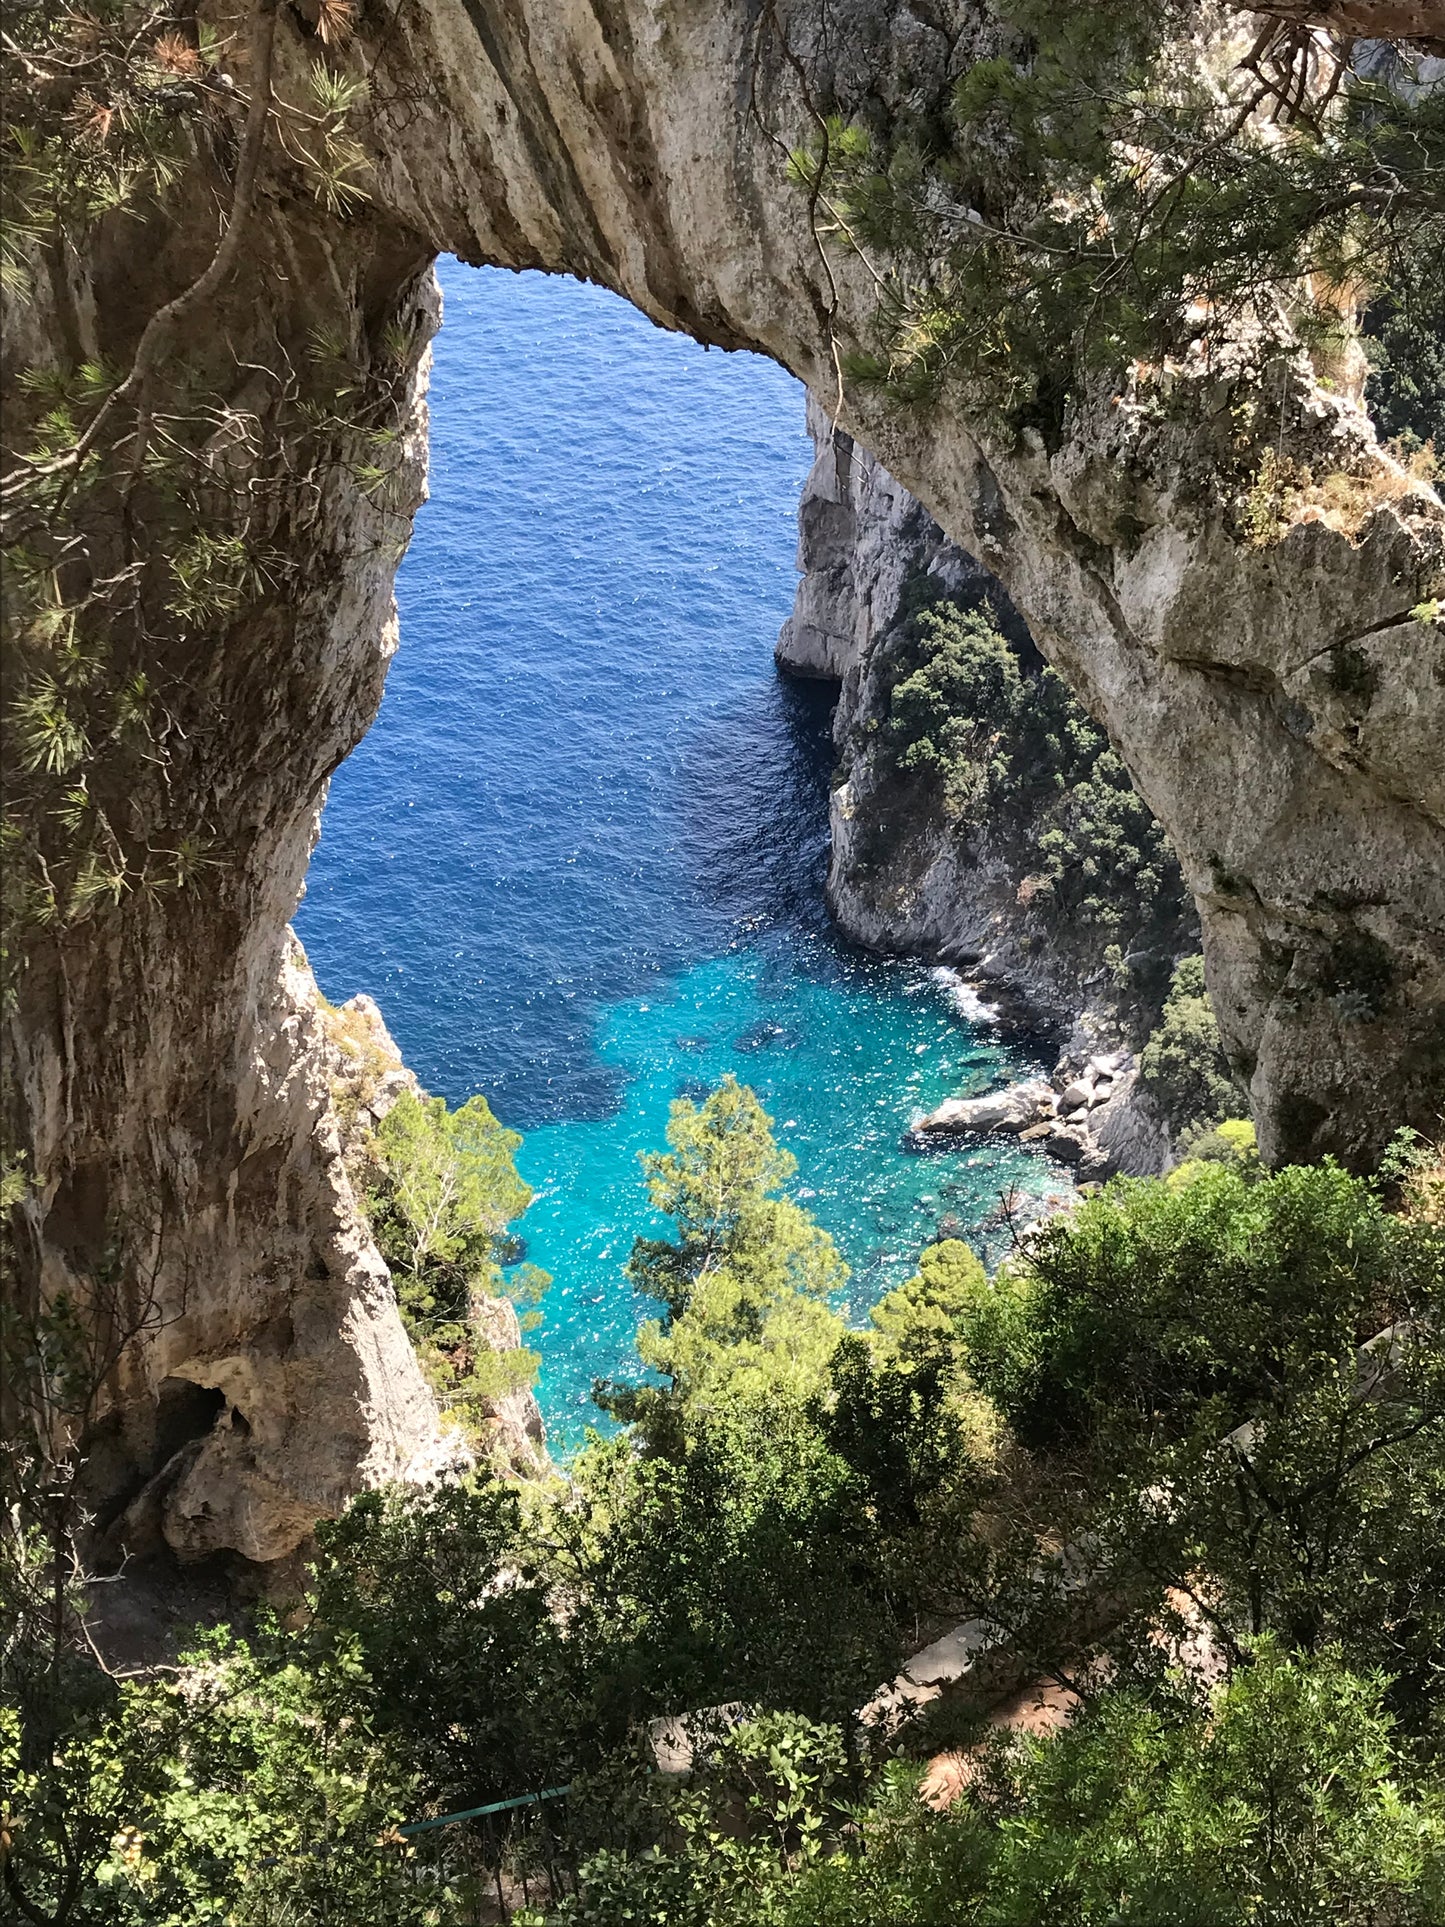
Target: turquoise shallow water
<point x="579" y="858"/>
<point x="844" y="1051"/>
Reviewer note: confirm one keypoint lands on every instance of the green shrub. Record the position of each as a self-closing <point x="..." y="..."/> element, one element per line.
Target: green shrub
<point x="919" y="1320"/>
<point x="969" y="731"/>
<point x="1183" y="1066"/>
<point x="467" y="1672"/>
<point x="1232" y="1143"/>
<point x="443" y="1191"/>
<point x="957" y="692"/>
<point x="1202" y="1341"/>
<point x="241" y="1789"/>
<point x="1287" y="1798"/>
<point x="1405" y="392"/>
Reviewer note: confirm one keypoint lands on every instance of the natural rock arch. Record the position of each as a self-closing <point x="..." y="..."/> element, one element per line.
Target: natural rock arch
<point x="172" y="1078"/>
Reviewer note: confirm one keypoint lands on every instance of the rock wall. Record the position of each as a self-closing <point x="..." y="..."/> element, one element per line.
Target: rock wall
<point x="956" y="895"/>
<point x="861" y="536"/>
<point x="162" y="1083"/>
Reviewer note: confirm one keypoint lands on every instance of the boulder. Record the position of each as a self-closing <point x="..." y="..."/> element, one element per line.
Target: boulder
<point x="1008" y="1110"/>
<point x="1109" y="1065"/>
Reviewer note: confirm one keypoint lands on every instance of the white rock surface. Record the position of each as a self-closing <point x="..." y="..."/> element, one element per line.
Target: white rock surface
<point x="1008" y="1110"/>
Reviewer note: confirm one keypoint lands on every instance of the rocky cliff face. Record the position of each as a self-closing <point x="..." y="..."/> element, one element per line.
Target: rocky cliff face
<point x="903" y="875"/>
<point x="864" y="546"/>
<point x="165" y="1087"/>
<point x="861" y="537"/>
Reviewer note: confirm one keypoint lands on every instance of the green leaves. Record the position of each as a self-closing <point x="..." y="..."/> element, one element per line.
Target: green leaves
<point x="1000" y="753"/>
<point x="1119" y="184"/>
<point x="449" y="1185"/>
<point x="465" y="1668"/>
<point x="48" y="734"/>
<point x="443" y="1190"/>
<point x="1183" y="1066"/>
<point x="1190" y="1369"/>
<point x="244" y="1790"/>
<point x="212" y="575"/>
<point x="745" y="1284"/>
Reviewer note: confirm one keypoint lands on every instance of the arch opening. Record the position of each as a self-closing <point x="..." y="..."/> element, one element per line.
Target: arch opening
<point x="580" y="858"/>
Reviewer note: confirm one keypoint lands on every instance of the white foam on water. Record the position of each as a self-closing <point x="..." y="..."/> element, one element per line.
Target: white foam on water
<point x="966" y="998"/>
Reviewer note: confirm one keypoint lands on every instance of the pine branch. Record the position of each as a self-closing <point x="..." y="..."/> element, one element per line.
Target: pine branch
<point x="159" y="336"/>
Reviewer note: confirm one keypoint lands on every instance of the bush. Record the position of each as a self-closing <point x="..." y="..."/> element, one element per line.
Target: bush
<point x="918" y="1321"/>
<point x="439" y="1593"/>
<point x="1232" y="1143"/>
<point x="957" y="692"/>
<point x="736" y="1560"/>
<point x="1183" y="1066"/>
<point x="243" y="1789"/>
<point x="442" y="1192"/>
<point x="1287" y="1798"/>
<point x="1193" y="1356"/>
<point x="994" y="744"/>
<point x="1405" y="392"/>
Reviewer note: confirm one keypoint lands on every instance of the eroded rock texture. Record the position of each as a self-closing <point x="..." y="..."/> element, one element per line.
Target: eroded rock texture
<point x="165" y="1081"/>
<point x="642" y="148"/>
<point x="906" y="878"/>
<point x="902" y="877"/>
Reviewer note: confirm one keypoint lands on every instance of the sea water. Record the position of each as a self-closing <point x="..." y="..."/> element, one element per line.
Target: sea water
<point x="579" y="859"/>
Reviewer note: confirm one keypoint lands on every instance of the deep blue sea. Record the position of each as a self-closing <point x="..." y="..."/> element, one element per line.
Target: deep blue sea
<point x="579" y="859"/>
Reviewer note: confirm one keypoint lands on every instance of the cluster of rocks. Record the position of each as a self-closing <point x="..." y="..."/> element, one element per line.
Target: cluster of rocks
<point x="1090" y="1114"/>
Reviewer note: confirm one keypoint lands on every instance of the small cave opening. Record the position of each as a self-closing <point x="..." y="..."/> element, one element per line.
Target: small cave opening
<point x="184" y="1411"/>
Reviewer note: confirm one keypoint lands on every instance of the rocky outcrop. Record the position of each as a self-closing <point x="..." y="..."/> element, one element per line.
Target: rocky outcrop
<point x="369" y="1075"/>
<point x="861" y="539"/>
<point x="1092" y="1114"/>
<point x="277" y="1381"/>
<point x="163" y="1084"/>
<point x="965" y="895"/>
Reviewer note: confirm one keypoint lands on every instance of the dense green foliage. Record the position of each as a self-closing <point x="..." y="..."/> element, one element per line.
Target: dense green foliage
<point x="1406" y="387"/>
<point x="1280" y="1801"/>
<point x="1204" y="1340"/>
<point x="1183" y="1066"/>
<point x="1118" y="184"/>
<point x="1149" y="1452"/>
<point x="918" y="1321"/>
<point x="442" y="1189"/>
<point x="205" y="1798"/>
<point x="745" y="1284"/>
<point x="969" y="729"/>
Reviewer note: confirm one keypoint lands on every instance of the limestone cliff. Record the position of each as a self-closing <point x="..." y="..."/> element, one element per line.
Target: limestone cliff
<point x="902" y="875"/>
<point x="165" y="1086"/>
<point x="861" y="536"/>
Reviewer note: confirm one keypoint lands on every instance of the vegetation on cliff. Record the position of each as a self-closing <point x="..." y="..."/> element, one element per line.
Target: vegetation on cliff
<point x="107" y="641"/>
<point x="1129" y="184"/>
<point x="441" y="1191"/>
<point x="1183" y="1066"/>
<point x="974" y="733"/>
<point x="1164" y="1455"/>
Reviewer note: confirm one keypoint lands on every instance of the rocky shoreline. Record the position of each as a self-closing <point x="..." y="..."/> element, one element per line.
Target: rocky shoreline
<point x="862" y="538"/>
<point x="1091" y="1115"/>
